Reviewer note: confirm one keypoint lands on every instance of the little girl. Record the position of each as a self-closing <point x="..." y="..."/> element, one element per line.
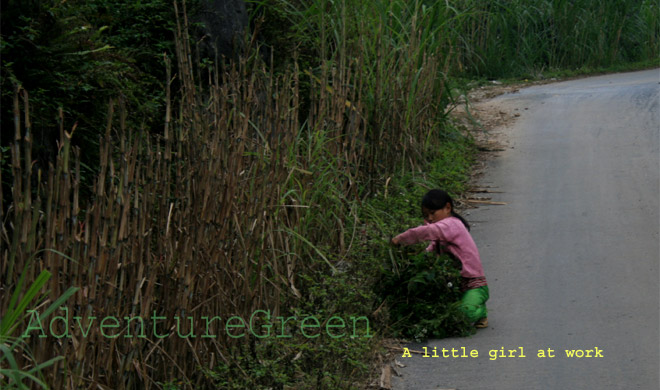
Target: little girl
<point x="448" y="233"/>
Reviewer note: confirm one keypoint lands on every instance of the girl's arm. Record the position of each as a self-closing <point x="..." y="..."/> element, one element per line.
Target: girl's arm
<point x="418" y="234"/>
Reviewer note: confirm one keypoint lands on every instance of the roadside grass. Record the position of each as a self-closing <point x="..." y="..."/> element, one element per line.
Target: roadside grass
<point x="594" y="71"/>
<point x="404" y="292"/>
<point x="514" y="38"/>
<point x="463" y="85"/>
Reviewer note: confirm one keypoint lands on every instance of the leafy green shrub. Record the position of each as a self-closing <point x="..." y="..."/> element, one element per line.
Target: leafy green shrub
<point x="422" y="292"/>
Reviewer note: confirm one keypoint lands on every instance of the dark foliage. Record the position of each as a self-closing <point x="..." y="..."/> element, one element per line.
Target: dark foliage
<point x="422" y="292"/>
<point x="76" y="55"/>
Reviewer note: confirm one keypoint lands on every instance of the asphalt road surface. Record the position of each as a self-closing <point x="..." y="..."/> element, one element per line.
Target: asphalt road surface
<point x="572" y="258"/>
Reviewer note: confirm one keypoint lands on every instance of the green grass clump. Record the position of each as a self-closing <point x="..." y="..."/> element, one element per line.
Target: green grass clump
<point x="422" y="291"/>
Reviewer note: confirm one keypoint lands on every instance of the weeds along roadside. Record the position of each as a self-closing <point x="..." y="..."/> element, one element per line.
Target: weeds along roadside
<point x="154" y="238"/>
<point x="243" y="203"/>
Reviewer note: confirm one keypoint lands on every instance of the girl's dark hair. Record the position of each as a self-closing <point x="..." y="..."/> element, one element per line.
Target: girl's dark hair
<point x="437" y="199"/>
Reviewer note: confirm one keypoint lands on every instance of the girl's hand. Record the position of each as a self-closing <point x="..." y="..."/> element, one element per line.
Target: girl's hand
<point x="395" y="240"/>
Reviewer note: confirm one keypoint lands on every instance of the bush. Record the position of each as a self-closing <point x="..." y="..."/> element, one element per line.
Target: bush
<point x="422" y="292"/>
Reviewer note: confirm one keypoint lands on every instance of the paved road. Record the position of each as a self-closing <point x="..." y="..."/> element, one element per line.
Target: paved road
<point x="572" y="259"/>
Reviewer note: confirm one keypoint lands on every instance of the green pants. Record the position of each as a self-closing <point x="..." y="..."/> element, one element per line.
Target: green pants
<point x="473" y="303"/>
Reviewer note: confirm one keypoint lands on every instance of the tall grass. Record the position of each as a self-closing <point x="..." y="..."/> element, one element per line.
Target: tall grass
<point x="400" y="54"/>
<point x="519" y="37"/>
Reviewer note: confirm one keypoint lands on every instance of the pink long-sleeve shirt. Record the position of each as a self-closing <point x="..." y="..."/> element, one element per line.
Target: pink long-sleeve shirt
<point x="452" y="236"/>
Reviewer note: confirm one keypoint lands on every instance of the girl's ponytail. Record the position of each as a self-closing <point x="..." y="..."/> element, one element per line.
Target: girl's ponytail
<point x="437" y="199"/>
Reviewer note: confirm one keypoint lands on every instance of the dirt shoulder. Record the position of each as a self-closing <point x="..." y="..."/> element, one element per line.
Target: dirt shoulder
<point x="485" y="120"/>
<point x="480" y="117"/>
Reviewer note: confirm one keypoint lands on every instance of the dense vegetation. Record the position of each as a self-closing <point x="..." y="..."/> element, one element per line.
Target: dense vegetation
<point x="141" y="179"/>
